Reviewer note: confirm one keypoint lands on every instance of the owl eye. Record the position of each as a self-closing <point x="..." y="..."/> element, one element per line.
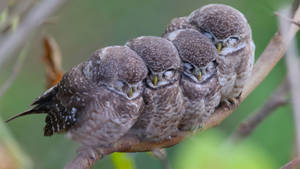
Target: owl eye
<point x="232" y="40"/>
<point x="189" y="67"/>
<point x="169" y="73"/>
<point x="207" y="34"/>
<point x="119" y="85"/>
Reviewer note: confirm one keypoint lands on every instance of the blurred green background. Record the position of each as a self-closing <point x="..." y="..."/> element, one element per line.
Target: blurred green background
<point x="81" y="27"/>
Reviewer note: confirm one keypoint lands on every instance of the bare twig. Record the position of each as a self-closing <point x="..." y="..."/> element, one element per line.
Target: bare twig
<point x="30" y="23"/>
<point x="269" y="58"/>
<point x="293" y="67"/>
<point x="16" y="69"/>
<point x="276" y="100"/>
<point x="292" y="164"/>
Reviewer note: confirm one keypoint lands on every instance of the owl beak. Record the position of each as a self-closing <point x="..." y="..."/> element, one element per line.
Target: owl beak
<point x="199" y="76"/>
<point x="219" y="46"/>
<point x="155" y="80"/>
<point x="130" y="92"/>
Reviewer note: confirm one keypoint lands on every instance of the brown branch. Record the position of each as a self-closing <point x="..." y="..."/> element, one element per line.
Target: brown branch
<point x="31" y="22"/>
<point x="269" y="58"/>
<point x="293" y="67"/>
<point x="292" y="164"/>
<point x="276" y="100"/>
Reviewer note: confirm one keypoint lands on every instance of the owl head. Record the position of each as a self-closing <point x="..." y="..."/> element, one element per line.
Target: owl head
<point x="161" y="58"/>
<point x="119" y="69"/>
<point x="197" y="53"/>
<point x="224" y="25"/>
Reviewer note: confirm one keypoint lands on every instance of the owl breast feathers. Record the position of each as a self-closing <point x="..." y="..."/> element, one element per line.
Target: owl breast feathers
<point x="153" y="87"/>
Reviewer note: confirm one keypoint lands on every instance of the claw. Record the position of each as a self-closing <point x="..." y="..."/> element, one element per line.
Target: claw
<point x="231" y="103"/>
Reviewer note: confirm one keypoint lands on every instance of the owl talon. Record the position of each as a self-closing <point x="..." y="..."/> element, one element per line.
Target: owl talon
<point x="231" y="103"/>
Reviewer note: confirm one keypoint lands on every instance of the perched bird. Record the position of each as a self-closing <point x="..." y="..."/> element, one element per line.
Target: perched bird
<point x="199" y="81"/>
<point x="230" y="32"/>
<point x="162" y="96"/>
<point x="97" y="101"/>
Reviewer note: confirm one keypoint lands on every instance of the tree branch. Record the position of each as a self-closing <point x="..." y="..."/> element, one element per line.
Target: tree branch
<point x="292" y="164"/>
<point x="293" y="67"/>
<point x="31" y="22"/>
<point x="276" y="100"/>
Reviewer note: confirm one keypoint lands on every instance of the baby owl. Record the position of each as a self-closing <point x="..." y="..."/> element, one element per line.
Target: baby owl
<point x="199" y="82"/>
<point x="97" y="101"/>
<point x="162" y="96"/>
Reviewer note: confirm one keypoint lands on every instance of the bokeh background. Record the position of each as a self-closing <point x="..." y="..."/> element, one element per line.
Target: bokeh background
<point x="81" y="27"/>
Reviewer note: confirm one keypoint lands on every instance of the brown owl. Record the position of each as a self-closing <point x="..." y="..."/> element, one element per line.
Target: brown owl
<point x="231" y="34"/>
<point x="199" y="81"/>
<point x="162" y="96"/>
<point x="97" y="101"/>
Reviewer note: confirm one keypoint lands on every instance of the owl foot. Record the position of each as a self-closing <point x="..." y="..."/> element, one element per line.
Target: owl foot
<point x="231" y="103"/>
<point x="91" y="154"/>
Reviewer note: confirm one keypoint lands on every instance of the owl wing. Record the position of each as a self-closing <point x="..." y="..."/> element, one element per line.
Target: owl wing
<point x="62" y="103"/>
<point x="107" y="118"/>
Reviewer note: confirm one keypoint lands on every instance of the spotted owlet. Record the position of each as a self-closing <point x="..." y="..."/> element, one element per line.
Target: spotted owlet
<point x="97" y="101"/>
<point x="163" y="96"/>
<point x="230" y="32"/>
<point x="199" y="81"/>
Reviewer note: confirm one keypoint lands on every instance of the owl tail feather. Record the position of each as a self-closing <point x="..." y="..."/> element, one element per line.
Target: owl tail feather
<point x="31" y="111"/>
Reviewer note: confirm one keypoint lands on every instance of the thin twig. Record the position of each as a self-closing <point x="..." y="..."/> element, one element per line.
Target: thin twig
<point x="31" y="22"/>
<point x="16" y="70"/>
<point x="276" y="100"/>
<point x="292" y="164"/>
<point x="293" y="68"/>
<point x="269" y="58"/>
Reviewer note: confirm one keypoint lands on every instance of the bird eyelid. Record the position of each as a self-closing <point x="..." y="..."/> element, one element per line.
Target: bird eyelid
<point x="169" y="73"/>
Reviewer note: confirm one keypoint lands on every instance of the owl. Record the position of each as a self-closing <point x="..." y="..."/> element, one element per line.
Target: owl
<point x="199" y="82"/>
<point x="97" y="101"/>
<point x="162" y="96"/>
<point x="230" y="32"/>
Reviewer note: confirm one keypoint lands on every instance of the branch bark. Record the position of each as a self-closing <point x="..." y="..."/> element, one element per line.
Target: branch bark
<point x="31" y="22"/>
<point x="293" y="68"/>
<point x="276" y="100"/>
<point x="292" y="164"/>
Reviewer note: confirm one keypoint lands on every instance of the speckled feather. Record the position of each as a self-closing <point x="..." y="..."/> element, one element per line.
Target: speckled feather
<point x="235" y="63"/>
<point x="178" y="23"/>
<point x="221" y="20"/>
<point x="192" y="46"/>
<point x="156" y="51"/>
<point x="163" y="104"/>
<point x="83" y="105"/>
<point x="202" y="97"/>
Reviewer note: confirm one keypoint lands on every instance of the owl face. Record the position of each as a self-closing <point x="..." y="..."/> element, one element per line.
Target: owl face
<point x="197" y="53"/>
<point x="161" y="58"/>
<point x="118" y="68"/>
<point x="225" y="26"/>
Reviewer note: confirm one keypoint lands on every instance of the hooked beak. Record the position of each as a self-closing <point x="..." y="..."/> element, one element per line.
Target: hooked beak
<point x="219" y="46"/>
<point x="130" y="92"/>
<point x="199" y="76"/>
<point x="155" y="80"/>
